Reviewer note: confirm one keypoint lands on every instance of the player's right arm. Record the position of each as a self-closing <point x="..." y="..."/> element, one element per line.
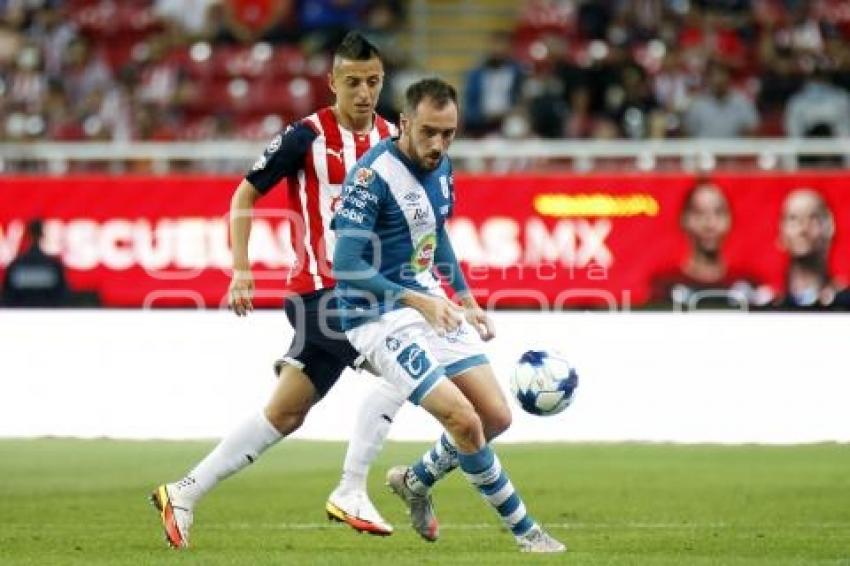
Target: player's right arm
<point x="241" y="291"/>
<point x="283" y="157"/>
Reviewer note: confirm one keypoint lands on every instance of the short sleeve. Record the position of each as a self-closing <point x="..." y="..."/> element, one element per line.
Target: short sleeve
<point x="362" y="195"/>
<point x="283" y="157"/>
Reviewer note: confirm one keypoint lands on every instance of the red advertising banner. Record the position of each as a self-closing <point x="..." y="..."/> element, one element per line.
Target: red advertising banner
<point x="524" y="240"/>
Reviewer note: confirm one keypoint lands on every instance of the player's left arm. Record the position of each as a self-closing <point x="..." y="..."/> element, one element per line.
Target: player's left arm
<point x="448" y="266"/>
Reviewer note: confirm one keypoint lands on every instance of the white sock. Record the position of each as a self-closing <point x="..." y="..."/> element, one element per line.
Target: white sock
<point x="371" y="427"/>
<point x="241" y="447"/>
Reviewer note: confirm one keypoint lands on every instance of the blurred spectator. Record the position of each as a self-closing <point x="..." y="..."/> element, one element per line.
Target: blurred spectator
<point x="606" y="68"/>
<point x="62" y="120"/>
<point x="160" y="77"/>
<point x="805" y="31"/>
<point x="631" y="108"/>
<point x="709" y="34"/>
<point x="28" y="83"/>
<point x="383" y="17"/>
<point x="52" y="31"/>
<point x="673" y="83"/>
<point x="10" y="43"/>
<point x="492" y="88"/>
<point x="594" y="19"/>
<point x="720" y="111"/>
<point x="190" y="17"/>
<point x="35" y="279"/>
<point x="549" y="92"/>
<point x="84" y="72"/>
<point x="116" y="110"/>
<point x="327" y="21"/>
<point x="818" y="110"/>
<point x="779" y="81"/>
<point x="806" y="232"/>
<point x="254" y="20"/>
<point x="603" y="68"/>
<point x="704" y="278"/>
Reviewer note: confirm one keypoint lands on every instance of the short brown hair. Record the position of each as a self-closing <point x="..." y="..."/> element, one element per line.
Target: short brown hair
<point x="355" y="47"/>
<point x="437" y="90"/>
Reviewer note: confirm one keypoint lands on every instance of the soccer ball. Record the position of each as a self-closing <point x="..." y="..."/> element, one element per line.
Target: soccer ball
<point x="544" y="382"/>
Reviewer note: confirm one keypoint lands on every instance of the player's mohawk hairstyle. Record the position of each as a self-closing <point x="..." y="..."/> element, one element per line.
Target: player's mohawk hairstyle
<point x="355" y="47"/>
<point x="435" y="89"/>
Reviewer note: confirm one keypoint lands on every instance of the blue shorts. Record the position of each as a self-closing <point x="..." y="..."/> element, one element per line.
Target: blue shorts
<point x="319" y="348"/>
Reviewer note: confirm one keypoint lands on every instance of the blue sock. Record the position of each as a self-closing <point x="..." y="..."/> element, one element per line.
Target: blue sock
<point x="484" y="471"/>
<point x="433" y="465"/>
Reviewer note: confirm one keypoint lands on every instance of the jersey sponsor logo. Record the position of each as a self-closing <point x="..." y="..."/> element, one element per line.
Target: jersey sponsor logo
<point x="363" y="177"/>
<point x="392" y="343"/>
<point x="274" y="145"/>
<point x="444" y="186"/>
<point x="414" y="360"/>
<point x="355" y="192"/>
<point x="420" y="216"/>
<point x="353" y="215"/>
<point x="413" y="196"/>
<point x="355" y="197"/>
<point x="423" y="254"/>
<point x="260" y="163"/>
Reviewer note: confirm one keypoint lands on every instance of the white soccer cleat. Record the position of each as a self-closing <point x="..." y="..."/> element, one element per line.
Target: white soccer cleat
<point x="356" y="510"/>
<point x="420" y="507"/>
<point x="539" y="541"/>
<point x="176" y="518"/>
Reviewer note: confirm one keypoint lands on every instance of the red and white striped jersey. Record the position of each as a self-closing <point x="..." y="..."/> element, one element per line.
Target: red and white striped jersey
<point x="314" y="155"/>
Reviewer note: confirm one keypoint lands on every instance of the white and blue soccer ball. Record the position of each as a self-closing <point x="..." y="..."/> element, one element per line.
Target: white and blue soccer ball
<point x="544" y="382"/>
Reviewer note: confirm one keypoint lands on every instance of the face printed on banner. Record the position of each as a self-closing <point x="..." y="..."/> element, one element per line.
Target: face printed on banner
<point x="706" y="218"/>
<point x="807" y="225"/>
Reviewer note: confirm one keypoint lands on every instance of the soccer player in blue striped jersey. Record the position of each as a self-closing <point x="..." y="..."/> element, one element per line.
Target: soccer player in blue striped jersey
<point x="391" y="237"/>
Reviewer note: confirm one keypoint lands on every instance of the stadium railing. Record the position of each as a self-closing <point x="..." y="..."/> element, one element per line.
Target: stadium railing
<point x="499" y="155"/>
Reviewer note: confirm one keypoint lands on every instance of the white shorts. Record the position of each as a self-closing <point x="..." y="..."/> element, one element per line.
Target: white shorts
<point x="409" y="353"/>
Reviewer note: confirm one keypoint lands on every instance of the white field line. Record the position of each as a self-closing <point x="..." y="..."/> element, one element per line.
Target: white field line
<point x="494" y="526"/>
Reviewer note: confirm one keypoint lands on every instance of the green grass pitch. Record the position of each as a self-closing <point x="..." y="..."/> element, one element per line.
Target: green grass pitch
<point x="85" y="502"/>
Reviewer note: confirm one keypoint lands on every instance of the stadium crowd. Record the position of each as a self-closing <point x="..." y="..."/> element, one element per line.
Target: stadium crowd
<point x="206" y="69"/>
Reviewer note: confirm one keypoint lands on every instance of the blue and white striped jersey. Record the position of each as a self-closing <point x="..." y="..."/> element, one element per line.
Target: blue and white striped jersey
<point x="392" y="217"/>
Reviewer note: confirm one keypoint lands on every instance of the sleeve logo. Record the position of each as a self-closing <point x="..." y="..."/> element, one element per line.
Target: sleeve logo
<point x="363" y="177"/>
<point x="260" y="163"/>
<point x="274" y="145"/>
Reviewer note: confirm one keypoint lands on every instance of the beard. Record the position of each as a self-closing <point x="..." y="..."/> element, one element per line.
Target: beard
<point x="422" y="161"/>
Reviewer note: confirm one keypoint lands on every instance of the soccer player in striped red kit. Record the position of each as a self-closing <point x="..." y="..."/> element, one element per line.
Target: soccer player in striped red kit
<point x="313" y="155"/>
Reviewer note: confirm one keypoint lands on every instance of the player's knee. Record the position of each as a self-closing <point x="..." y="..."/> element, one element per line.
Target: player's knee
<point x="465" y="427"/>
<point x="285" y="421"/>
